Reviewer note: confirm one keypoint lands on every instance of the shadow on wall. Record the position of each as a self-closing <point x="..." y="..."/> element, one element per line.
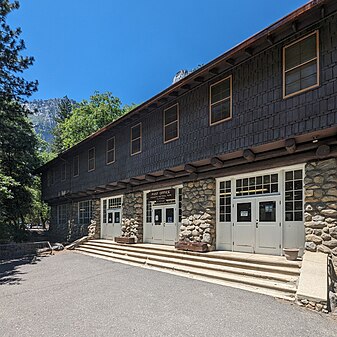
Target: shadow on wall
<point x="10" y="270"/>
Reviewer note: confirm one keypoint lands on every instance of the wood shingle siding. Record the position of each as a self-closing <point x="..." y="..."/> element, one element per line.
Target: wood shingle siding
<point x="260" y="115"/>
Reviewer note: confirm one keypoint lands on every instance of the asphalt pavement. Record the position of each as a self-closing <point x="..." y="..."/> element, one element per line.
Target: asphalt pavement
<point x="70" y="294"/>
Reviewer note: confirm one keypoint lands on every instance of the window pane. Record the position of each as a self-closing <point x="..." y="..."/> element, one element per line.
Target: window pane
<point x="220" y="91"/>
<point x="220" y="111"/>
<point x="300" y="52"/>
<point x="135" y="146"/>
<point x="76" y="166"/>
<point x="171" y="115"/>
<point x="111" y="156"/>
<point x="267" y="211"/>
<point x="135" y="132"/>
<point x="110" y="144"/>
<point x="171" y="131"/>
<point x="244" y="212"/>
<point x="169" y="215"/>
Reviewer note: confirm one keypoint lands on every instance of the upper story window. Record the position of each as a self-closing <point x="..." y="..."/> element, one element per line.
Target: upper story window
<point x="110" y="150"/>
<point x="76" y="166"/>
<point x="63" y="171"/>
<point x="221" y="101"/>
<point x="136" y="139"/>
<point x="91" y="159"/>
<point x="301" y="65"/>
<point x="171" y="123"/>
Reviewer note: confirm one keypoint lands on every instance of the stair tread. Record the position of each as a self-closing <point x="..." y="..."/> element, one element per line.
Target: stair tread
<point x="205" y="265"/>
<point x="203" y="258"/>
<point x="286" y="287"/>
<point x="253" y="258"/>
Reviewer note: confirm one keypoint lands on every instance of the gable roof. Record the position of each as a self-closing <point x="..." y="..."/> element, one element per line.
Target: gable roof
<point x="267" y="36"/>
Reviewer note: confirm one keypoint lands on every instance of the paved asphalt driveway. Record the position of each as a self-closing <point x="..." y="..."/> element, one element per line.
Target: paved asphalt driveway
<point x="76" y="295"/>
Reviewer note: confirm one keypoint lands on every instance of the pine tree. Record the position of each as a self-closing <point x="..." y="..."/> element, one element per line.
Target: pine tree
<point x="18" y="142"/>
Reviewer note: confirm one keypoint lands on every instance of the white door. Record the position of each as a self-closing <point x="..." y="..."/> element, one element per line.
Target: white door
<point x="244" y="226"/>
<point x="113" y="226"/>
<point x="170" y="226"/>
<point x="268" y="226"/>
<point x="257" y="225"/>
<point x="164" y="226"/>
<point x="158" y="226"/>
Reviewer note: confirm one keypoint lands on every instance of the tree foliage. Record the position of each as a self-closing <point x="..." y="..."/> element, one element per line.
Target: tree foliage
<point x="89" y="116"/>
<point x="18" y="142"/>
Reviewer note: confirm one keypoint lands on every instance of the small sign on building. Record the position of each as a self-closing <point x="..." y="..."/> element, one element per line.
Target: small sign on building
<point x="162" y="196"/>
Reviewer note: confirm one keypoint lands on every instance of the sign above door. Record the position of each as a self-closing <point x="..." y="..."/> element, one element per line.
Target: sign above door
<point x="162" y="196"/>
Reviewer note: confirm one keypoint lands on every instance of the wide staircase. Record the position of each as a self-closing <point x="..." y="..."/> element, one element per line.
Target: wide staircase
<point x="270" y="275"/>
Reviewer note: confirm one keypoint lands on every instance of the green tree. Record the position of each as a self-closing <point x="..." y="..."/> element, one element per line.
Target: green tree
<point x="18" y="142"/>
<point x="90" y="116"/>
<point x="65" y="109"/>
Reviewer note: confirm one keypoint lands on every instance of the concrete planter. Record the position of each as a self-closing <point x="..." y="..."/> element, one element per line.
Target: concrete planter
<point x="124" y="239"/>
<point x="200" y="247"/>
<point x="291" y="254"/>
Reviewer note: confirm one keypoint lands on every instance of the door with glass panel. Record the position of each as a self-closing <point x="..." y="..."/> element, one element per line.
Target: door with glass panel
<point x="113" y="228"/>
<point x="164" y="226"/>
<point x="268" y="226"/>
<point x="244" y="226"/>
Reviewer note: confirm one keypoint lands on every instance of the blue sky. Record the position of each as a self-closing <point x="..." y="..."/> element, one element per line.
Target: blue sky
<point x="132" y="48"/>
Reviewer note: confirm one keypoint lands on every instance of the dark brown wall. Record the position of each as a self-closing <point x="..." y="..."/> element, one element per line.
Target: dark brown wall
<point x="260" y="116"/>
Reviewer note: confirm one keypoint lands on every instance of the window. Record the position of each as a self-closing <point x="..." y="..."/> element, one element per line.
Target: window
<point x="180" y="204"/>
<point x="171" y="123"/>
<point x="136" y="139"/>
<point x="51" y="177"/>
<point x="84" y="212"/>
<point x="115" y="202"/>
<point x="63" y="171"/>
<point x="293" y="187"/>
<point x="225" y="201"/>
<point x="300" y="65"/>
<point x="62" y="214"/>
<point x="221" y="101"/>
<point x="91" y="159"/>
<point x="148" y="210"/>
<point x="110" y="150"/>
<point x="265" y="184"/>
<point x="76" y="166"/>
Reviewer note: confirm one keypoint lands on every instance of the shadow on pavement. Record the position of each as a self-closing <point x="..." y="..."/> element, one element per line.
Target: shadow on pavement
<point x="10" y="269"/>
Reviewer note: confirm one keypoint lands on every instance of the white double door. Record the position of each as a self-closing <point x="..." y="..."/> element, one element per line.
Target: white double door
<point x="113" y="225"/>
<point x="164" y="225"/>
<point x="257" y="225"/>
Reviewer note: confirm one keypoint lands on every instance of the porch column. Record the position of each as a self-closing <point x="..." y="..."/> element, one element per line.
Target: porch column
<point x="320" y="184"/>
<point x="198" y="212"/>
<point x="132" y="215"/>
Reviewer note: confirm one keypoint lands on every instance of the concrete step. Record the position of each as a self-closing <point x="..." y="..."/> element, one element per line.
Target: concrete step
<point x="202" y="263"/>
<point x="253" y="258"/>
<point x="267" y="287"/>
<point x="277" y="278"/>
<point x="284" y="269"/>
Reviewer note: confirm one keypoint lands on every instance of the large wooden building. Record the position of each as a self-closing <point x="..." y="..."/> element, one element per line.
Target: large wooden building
<point x="240" y="154"/>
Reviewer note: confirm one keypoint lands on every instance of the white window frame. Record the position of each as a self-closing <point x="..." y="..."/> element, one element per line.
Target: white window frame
<point x="111" y="150"/>
<point x="94" y="159"/>
<point x="140" y="137"/>
<point x="175" y="121"/>
<point x="230" y="98"/>
<point x="284" y="71"/>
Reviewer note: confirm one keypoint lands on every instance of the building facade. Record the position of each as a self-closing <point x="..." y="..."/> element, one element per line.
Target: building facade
<point x="240" y="154"/>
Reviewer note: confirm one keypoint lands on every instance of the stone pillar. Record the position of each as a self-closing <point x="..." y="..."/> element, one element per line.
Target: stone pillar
<point x="198" y="212"/>
<point x="132" y="218"/>
<point x="96" y="217"/>
<point x="320" y="184"/>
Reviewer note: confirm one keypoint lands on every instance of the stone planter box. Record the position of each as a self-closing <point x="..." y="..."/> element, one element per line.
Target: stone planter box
<point x="124" y="239"/>
<point x="200" y="247"/>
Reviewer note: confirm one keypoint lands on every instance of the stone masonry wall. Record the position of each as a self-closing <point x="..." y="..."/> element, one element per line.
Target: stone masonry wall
<point x="320" y="215"/>
<point x="198" y="212"/>
<point x="132" y="218"/>
<point x="71" y="230"/>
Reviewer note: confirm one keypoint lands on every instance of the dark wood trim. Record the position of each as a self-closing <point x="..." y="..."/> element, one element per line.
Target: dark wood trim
<point x="190" y="168"/>
<point x="249" y="155"/>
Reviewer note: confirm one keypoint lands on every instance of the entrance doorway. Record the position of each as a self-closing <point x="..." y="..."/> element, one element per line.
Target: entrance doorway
<point x="257" y="225"/>
<point x="113" y="226"/>
<point x="164" y="225"/>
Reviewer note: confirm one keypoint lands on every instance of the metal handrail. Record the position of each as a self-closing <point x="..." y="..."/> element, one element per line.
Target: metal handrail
<point x="331" y="279"/>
